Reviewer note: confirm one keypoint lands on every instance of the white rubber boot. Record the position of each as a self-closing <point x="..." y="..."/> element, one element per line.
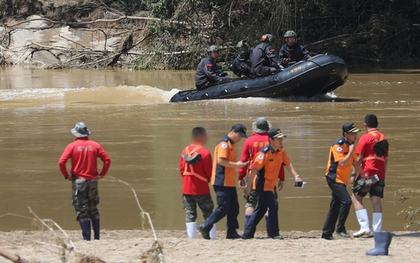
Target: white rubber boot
<point x="191" y="229"/>
<point x="363" y="218"/>
<point x="213" y="232"/>
<point x="377" y="222"/>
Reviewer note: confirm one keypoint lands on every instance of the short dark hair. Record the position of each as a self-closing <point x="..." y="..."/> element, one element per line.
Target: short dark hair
<point x="198" y="131"/>
<point x="371" y="120"/>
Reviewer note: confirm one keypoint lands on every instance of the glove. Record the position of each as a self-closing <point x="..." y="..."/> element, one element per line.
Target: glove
<point x="223" y="74"/>
<point x="280" y="67"/>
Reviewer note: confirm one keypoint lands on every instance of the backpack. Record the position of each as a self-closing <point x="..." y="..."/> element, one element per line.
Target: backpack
<point x="192" y="157"/>
<point x="381" y="146"/>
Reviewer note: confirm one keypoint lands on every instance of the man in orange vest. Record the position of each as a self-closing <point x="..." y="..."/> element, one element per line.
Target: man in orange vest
<point x="341" y="158"/>
<point x="372" y="155"/>
<point x="196" y="168"/>
<point x="223" y="181"/>
<point x="250" y="149"/>
<point x="266" y="167"/>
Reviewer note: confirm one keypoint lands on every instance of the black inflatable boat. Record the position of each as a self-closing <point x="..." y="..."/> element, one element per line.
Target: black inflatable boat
<point x="316" y="76"/>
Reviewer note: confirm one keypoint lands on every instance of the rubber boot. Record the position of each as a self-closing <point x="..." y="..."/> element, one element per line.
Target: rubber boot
<point x="363" y="218"/>
<point x="85" y="225"/>
<point x="246" y="220"/>
<point x="382" y="242"/>
<point x="377" y="222"/>
<point x="267" y="225"/>
<point x="96" y="225"/>
<point x="213" y="232"/>
<point x="191" y="229"/>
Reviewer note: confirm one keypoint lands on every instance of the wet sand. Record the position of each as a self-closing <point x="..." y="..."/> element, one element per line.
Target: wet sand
<point x="128" y="246"/>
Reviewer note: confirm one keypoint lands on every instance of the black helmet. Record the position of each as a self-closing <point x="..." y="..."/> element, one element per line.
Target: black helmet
<point x="213" y="48"/>
<point x="290" y="33"/>
<point x="267" y="38"/>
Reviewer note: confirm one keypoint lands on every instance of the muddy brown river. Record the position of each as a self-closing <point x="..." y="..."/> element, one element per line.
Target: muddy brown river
<point x="129" y="114"/>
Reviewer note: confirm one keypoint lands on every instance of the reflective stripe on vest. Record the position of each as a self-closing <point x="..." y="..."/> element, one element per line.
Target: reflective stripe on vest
<point x="190" y="167"/>
<point x="378" y="138"/>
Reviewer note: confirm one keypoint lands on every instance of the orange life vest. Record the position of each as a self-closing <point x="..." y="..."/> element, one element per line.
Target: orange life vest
<point x="189" y="169"/>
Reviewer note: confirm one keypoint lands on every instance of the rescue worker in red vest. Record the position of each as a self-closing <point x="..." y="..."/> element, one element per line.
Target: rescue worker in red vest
<point x="250" y="149"/>
<point x="196" y="168"/>
<point x="208" y="72"/>
<point x="84" y="154"/>
<point x="341" y="158"/>
<point x="223" y="181"/>
<point x="266" y="166"/>
<point x="372" y="155"/>
<point x="263" y="58"/>
<point x="242" y="64"/>
<point x="292" y="51"/>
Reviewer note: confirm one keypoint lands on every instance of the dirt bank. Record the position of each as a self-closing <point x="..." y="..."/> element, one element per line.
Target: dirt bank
<point x="128" y="246"/>
<point x="58" y="34"/>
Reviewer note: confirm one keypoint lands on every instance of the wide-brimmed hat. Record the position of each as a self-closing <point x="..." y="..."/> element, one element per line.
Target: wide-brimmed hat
<point x="80" y="130"/>
<point x="261" y="125"/>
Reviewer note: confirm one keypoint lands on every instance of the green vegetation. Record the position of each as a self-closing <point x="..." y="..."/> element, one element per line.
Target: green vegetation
<point x="380" y="31"/>
<point x="412" y="214"/>
<point x="375" y="30"/>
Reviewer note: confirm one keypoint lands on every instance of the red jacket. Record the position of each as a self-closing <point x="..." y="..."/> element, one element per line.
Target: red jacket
<point x="250" y="149"/>
<point x="196" y="178"/>
<point x="371" y="163"/>
<point x="84" y="155"/>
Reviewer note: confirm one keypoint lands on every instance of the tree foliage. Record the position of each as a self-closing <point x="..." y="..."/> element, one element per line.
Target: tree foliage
<point x="378" y="30"/>
<point x="375" y="30"/>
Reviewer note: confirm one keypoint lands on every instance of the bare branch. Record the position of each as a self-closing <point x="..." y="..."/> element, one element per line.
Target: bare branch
<point x="12" y="257"/>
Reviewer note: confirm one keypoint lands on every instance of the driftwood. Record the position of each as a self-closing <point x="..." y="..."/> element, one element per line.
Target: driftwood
<point x="12" y="257"/>
<point x="337" y="37"/>
<point x="101" y="20"/>
<point x="155" y="253"/>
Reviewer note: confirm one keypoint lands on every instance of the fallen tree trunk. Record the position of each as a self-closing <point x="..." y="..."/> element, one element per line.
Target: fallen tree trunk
<point x="12" y="257"/>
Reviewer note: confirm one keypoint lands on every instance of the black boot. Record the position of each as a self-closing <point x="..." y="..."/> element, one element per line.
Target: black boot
<point x="382" y="242"/>
<point x="85" y="225"/>
<point x="96" y="224"/>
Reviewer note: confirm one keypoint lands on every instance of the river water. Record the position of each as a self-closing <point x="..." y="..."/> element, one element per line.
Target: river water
<point x="129" y="114"/>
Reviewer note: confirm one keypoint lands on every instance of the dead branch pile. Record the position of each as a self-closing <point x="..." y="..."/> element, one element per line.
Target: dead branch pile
<point x="175" y="33"/>
<point x="66" y="246"/>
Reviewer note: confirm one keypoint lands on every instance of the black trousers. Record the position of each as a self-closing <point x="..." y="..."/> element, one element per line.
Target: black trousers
<point x="339" y="208"/>
<point x="228" y="205"/>
<point x="266" y="200"/>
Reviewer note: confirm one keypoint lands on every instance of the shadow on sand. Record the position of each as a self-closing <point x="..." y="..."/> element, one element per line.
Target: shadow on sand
<point x="411" y="234"/>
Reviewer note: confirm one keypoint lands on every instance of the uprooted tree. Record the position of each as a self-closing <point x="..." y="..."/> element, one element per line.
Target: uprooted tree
<point x="175" y="33"/>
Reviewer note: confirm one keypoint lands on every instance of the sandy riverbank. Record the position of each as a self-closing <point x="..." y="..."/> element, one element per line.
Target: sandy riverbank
<point x="128" y="246"/>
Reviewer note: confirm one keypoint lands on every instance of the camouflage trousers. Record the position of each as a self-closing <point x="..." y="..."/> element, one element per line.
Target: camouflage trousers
<point x="85" y="199"/>
<point x="204" y="202"/>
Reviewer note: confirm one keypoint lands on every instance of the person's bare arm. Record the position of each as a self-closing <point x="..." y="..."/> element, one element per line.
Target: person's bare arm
<point x="224" y="162"/>
<point x="280" y="185"/>
<point x="292" y="170"/>
<point x="359" y="169"/>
